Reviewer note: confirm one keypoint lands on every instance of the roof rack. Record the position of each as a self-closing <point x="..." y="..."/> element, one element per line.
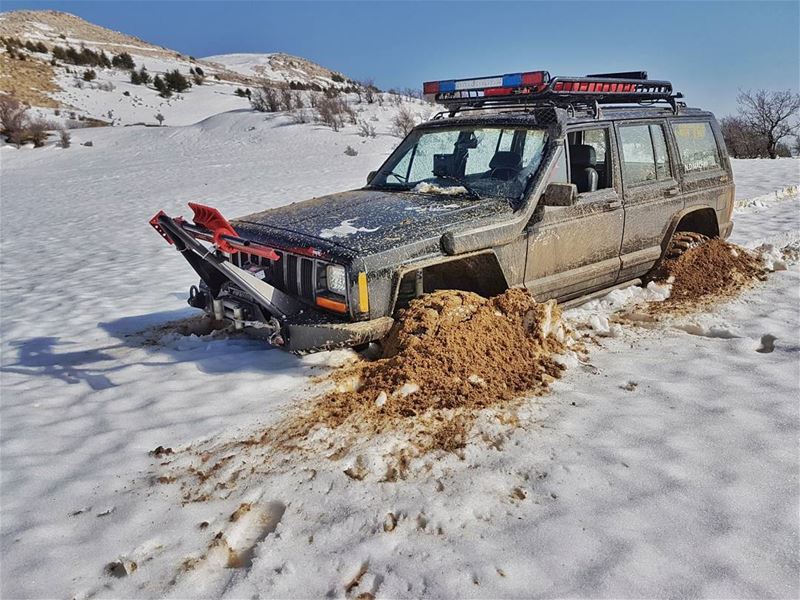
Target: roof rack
<point x="537" y="88"/>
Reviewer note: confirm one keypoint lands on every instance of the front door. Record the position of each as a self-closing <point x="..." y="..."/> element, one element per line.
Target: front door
<point x="574" y="250"/>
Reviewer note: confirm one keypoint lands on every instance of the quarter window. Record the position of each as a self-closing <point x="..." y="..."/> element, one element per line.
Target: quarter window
<point x="644" y="154"/>
<point x="697" y="146"/>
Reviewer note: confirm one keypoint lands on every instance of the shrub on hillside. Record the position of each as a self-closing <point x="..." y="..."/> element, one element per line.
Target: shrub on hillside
<point x="13" y="119"/>
<point x="37" y="132"/>
<point x="297" y="99"/>
<point x="350" y="151"/>
<point x="64" y="138"/>
<point x="286" y="99"/>
<point x="368" y="85"/>
<point x="89" y="75"/>
<point x="332" y="112"/>
<point x="300" y="116"/>
<point x="123" y="60"/>
<point x="403" y="122"/>
<point x="265" y="99"/>
<point x="366" y="129"/>
<point x="176" y="81"/>
<point x="161" y="87"/>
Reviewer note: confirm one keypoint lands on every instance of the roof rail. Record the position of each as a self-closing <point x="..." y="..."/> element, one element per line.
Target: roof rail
<point x="537" y="88"/>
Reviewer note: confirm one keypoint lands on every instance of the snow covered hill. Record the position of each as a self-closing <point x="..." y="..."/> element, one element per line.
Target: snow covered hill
<point x="664" y="466"/>
<point x="279" y="67"/>
<point x="63" y="95"/>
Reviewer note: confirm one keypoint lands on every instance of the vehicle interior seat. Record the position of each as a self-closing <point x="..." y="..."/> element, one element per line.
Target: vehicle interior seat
<point x="505" y="165"/>
<point x="582" y="162"/>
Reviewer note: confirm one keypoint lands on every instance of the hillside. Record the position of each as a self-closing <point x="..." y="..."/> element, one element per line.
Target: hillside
<point x="45" y="81"/>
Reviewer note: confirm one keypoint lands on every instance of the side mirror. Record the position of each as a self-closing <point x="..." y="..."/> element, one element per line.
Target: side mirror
<point x="371" y="176"/>
<point x="559" y="194"/>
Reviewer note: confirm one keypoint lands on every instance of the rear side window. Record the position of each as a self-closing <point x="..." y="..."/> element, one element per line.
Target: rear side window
<point x="644" y="154"/>
<point x="697" y="146"/>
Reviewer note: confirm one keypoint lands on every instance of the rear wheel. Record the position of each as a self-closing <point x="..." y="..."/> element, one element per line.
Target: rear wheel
<point x="680" y="243"/>
<point x="683" y="241"/>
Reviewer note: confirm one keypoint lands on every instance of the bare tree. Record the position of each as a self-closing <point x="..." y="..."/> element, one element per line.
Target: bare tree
<point x="742" y="140"/>
<point x="332" y="112"/>
<point x="64" y="139"/>
<point x="286" y="99"/>
<point x="403" y="122"/>
<point x="13" y="119"/>
<point x="369" y="90"/>
<point x="37" y="132"/>
<point x="365" y="129"/>
<point x="770" y="114"/>
<point x="265" y="99"/>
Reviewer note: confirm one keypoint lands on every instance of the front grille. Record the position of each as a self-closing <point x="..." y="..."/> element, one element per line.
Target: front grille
<point x="307" y="277"/>
<point x="291" y="273"/>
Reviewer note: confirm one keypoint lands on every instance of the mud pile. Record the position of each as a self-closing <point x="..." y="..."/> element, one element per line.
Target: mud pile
<point x="712" y="271"/>
<point x="450" y="354"/>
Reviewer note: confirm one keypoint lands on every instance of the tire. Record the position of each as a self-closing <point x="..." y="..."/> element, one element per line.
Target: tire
<point x="679" y="244"/>
<point x="682" y="241"/>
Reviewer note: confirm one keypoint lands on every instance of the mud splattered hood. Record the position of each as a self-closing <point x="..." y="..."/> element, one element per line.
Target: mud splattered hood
<point x="371" y="221"/>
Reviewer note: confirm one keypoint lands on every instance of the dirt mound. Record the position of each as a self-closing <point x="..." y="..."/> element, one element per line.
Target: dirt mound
<point x="712" y="271"/>
<point x="450" y="354"/>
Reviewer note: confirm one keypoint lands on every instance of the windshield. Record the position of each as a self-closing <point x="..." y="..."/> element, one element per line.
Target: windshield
<point x="473" y="161"/>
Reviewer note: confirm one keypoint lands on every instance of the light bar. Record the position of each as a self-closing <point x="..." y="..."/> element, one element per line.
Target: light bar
<point x="537" y="86"/>
<point x="497" y="85"/>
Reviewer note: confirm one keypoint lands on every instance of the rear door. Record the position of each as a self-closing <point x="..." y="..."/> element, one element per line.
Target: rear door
<point x="573" y="250"/>
<point x="651" y="193"/>
<point x="704" y="165"/>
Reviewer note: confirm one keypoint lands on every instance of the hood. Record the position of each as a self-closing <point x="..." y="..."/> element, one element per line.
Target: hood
<point x="370" y="221"/>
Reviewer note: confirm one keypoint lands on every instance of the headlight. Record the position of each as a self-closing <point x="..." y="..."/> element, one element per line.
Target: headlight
<point x="337" y="279"/>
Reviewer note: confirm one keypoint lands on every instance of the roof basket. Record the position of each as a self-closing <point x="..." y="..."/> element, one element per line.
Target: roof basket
<point x="537" y="88"/>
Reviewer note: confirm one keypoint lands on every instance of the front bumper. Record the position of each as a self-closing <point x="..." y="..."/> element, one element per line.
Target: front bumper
<point x="260" y="308"/>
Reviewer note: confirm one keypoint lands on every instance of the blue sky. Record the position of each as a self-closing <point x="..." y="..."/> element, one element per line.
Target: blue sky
<point x="707" y="49"/>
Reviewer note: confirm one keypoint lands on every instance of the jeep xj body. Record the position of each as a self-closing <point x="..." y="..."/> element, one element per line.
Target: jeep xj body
<point x="548" y="187"/>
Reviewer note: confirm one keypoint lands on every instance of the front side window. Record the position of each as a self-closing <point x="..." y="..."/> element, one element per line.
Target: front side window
<point x="589" y="159"/>
<point x="644" y="154"/>
<point x="697" y="146"/>
<point x="476" y="161"/>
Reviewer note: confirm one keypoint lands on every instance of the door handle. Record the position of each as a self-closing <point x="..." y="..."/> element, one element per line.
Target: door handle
<point x="673" y="191"/>
<point x="612" y="204"/>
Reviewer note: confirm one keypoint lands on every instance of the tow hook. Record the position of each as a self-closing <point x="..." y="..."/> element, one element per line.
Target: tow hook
<point x="197" y="299"/>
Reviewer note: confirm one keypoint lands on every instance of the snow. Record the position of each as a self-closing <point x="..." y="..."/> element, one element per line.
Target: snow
<point x="247" y="64"/>
<point x="665" y="465"/>
<point x="431" y="188"/>
<point x="756" y="177"/>
<point x="344" y="229"/>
